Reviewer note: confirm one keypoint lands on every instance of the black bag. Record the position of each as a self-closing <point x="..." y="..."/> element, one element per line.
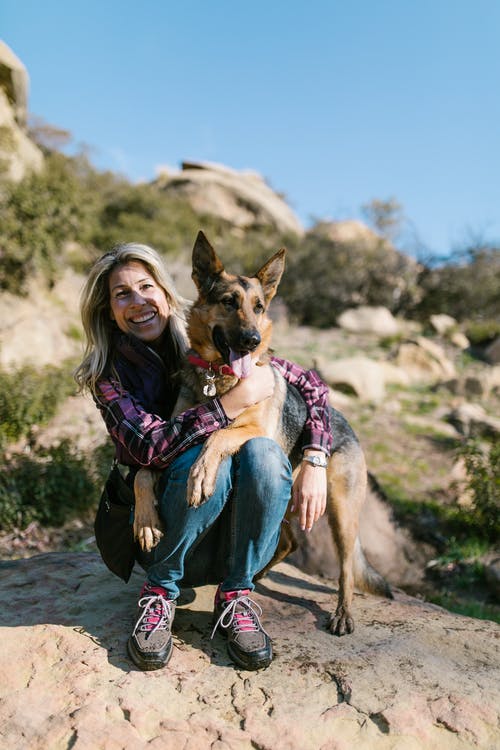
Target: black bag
<point x="113" y="525"/>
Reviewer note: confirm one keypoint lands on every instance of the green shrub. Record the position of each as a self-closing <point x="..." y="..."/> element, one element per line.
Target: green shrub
<point x="50" y="486"/>
<point x="482" y="332"/>
<point x="465" y="287"/>
<point x="30" y="397"/>
<point x="142" y="213"/>
<point x="325" y="277"/>
<point x="38" y="215"/>
<point x="483" y="481"/>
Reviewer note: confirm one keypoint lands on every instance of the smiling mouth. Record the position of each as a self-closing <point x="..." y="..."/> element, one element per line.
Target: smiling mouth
<point x="144" y="318"/>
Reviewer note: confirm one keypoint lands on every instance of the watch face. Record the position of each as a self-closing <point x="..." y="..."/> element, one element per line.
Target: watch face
<point x="317" y="461"/>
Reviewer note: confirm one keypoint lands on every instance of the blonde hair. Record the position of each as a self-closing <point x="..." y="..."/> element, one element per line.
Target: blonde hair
<point x="95" y="309"/>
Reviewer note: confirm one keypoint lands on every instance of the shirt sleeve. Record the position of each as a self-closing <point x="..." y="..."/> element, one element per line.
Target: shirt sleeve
<point x="317" y="432"/>
<point x="147" y="439"/>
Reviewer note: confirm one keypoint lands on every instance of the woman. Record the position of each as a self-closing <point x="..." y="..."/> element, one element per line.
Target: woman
<point x="134" y="324"/>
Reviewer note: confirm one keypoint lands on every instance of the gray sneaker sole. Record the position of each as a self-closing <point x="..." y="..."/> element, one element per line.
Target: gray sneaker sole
<point x="149" y="662"/>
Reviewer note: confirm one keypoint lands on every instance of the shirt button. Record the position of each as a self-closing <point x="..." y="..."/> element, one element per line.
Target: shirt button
<point x="216" y="424"/>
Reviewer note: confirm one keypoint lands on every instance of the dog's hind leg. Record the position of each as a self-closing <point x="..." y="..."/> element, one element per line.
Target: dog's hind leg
<point x="347" y="482"/>
<point x="346" y="487"/>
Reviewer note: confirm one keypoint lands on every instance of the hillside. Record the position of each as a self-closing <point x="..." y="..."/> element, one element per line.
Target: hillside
<point x="420" y="386"/>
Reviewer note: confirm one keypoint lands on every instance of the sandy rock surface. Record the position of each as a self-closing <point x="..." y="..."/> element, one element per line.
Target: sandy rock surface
<point x="411" y="676"/>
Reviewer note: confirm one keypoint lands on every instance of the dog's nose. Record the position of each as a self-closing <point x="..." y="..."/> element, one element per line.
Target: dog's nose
<point x="250" y="339"/>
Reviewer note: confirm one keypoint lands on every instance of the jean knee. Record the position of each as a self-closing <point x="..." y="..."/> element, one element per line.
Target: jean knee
<point x="263" y="454"/>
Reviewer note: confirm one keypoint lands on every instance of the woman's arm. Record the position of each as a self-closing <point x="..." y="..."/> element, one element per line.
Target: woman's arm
<point x="147" y="439"/>
<point x="309" y="488"/>
<point x="317" y="432"/>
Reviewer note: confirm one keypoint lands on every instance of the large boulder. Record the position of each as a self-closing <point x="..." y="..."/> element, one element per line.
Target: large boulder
<point x="424" y="361"/>
<point x="241" y="198"/>
<point x="363" y="376"/>
<point x="366" y="319"/>
<point x="411" y="676"/>
<point x="471" y="420"/>
<point x="18" y="154"/>
<point x="442" y="323"/>
<point x="350" y="232"/>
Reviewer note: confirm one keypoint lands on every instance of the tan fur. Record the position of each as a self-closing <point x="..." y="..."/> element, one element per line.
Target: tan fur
<point x="346" y="468"/>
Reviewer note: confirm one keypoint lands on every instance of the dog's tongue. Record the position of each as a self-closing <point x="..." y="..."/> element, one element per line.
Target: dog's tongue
<point x="240" y="363"/>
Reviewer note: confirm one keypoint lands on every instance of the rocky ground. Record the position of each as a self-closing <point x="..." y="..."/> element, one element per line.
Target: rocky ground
<point x="411" y="677"/>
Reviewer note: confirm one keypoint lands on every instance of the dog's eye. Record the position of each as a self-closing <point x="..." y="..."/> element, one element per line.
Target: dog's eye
<point x="230" y="303"/>
<point x="259" y="307"/>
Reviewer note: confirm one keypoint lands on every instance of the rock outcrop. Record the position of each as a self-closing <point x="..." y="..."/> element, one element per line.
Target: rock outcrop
<point x="471" y="420"/>
<point x="36" y="329"/>
<point x="378" y="320"/>
<point x="424" y="361"/>
<point x="241" y="198"/>
<point x="412" y="676"/>
<point x="18" y="154"/>
<point x="363" y="376"/>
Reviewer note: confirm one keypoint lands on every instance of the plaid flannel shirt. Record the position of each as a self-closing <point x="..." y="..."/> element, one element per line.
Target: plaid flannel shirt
<point x="143" y="438"/>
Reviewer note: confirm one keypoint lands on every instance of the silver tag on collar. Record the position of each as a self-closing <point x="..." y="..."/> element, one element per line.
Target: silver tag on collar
<point x="209" y="388"/>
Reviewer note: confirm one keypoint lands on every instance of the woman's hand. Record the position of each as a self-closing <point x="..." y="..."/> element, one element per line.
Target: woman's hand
<point x="309" y="493"/>
<point x="258" y="386"/>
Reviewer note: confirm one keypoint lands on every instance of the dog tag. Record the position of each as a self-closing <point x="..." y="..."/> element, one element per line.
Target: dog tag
<point x="209" y="388"/>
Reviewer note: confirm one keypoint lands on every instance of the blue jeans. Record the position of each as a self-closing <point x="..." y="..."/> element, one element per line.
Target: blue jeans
<point x="232" y="535"/>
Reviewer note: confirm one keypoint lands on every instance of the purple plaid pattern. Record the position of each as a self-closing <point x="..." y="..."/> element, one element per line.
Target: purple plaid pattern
<point x="145" y="439"/>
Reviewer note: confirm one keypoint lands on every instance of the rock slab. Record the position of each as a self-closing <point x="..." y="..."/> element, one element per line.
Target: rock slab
<point x="411" y="676"/>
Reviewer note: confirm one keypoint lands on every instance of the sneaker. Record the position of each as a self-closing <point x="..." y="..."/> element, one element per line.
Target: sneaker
<point x="237" y="617"/>
<point x="150" y="645"/>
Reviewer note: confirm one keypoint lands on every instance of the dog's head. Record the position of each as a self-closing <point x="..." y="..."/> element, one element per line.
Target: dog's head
<point x="229" y="319"/>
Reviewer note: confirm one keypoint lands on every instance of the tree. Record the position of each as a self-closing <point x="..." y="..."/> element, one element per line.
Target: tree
<point x="385" y="216"/>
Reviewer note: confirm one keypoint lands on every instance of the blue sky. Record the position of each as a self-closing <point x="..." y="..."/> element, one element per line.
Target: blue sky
<point x="334" y="103"/>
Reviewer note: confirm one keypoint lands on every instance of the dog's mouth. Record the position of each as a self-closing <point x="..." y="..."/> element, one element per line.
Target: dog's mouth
<point x="239" y="360"/>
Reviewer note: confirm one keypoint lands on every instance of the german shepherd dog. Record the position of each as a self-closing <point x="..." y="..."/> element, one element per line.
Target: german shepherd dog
<point x="228" y="327"/>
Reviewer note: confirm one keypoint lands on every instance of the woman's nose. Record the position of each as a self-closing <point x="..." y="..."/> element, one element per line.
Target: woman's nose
<point x="137" y="298"/>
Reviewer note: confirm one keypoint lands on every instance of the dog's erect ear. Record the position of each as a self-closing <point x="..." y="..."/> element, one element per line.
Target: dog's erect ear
<point x="206" y="263"/>
<point x="271" y="273"/>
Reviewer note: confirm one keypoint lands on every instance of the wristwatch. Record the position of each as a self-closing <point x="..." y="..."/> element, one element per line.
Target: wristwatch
<point x="320" y="461"/>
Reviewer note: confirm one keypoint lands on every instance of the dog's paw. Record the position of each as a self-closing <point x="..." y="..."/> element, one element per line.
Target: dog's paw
<point x="147" y="531"/>
<point x="195" y="483"/>
<point x="341" y="622"/>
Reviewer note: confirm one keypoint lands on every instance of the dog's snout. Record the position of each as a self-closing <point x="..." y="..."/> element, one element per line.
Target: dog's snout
<point x="250" y="339"/>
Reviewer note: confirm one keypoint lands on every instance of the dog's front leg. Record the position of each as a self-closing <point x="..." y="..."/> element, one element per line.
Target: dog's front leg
<point x="203" y="474"/>
<point x="147" y="524"/>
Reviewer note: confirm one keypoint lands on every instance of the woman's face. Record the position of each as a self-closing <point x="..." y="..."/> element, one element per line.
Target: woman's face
<point x="137" y="303"/>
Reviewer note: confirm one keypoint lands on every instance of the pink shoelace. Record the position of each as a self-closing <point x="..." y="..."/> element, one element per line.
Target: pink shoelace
<point x="240" y="612"/>
<point x="157" y="612"/>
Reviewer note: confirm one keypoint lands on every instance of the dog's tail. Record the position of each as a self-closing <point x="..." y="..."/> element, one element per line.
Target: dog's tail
<point x="366" y="578"/>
